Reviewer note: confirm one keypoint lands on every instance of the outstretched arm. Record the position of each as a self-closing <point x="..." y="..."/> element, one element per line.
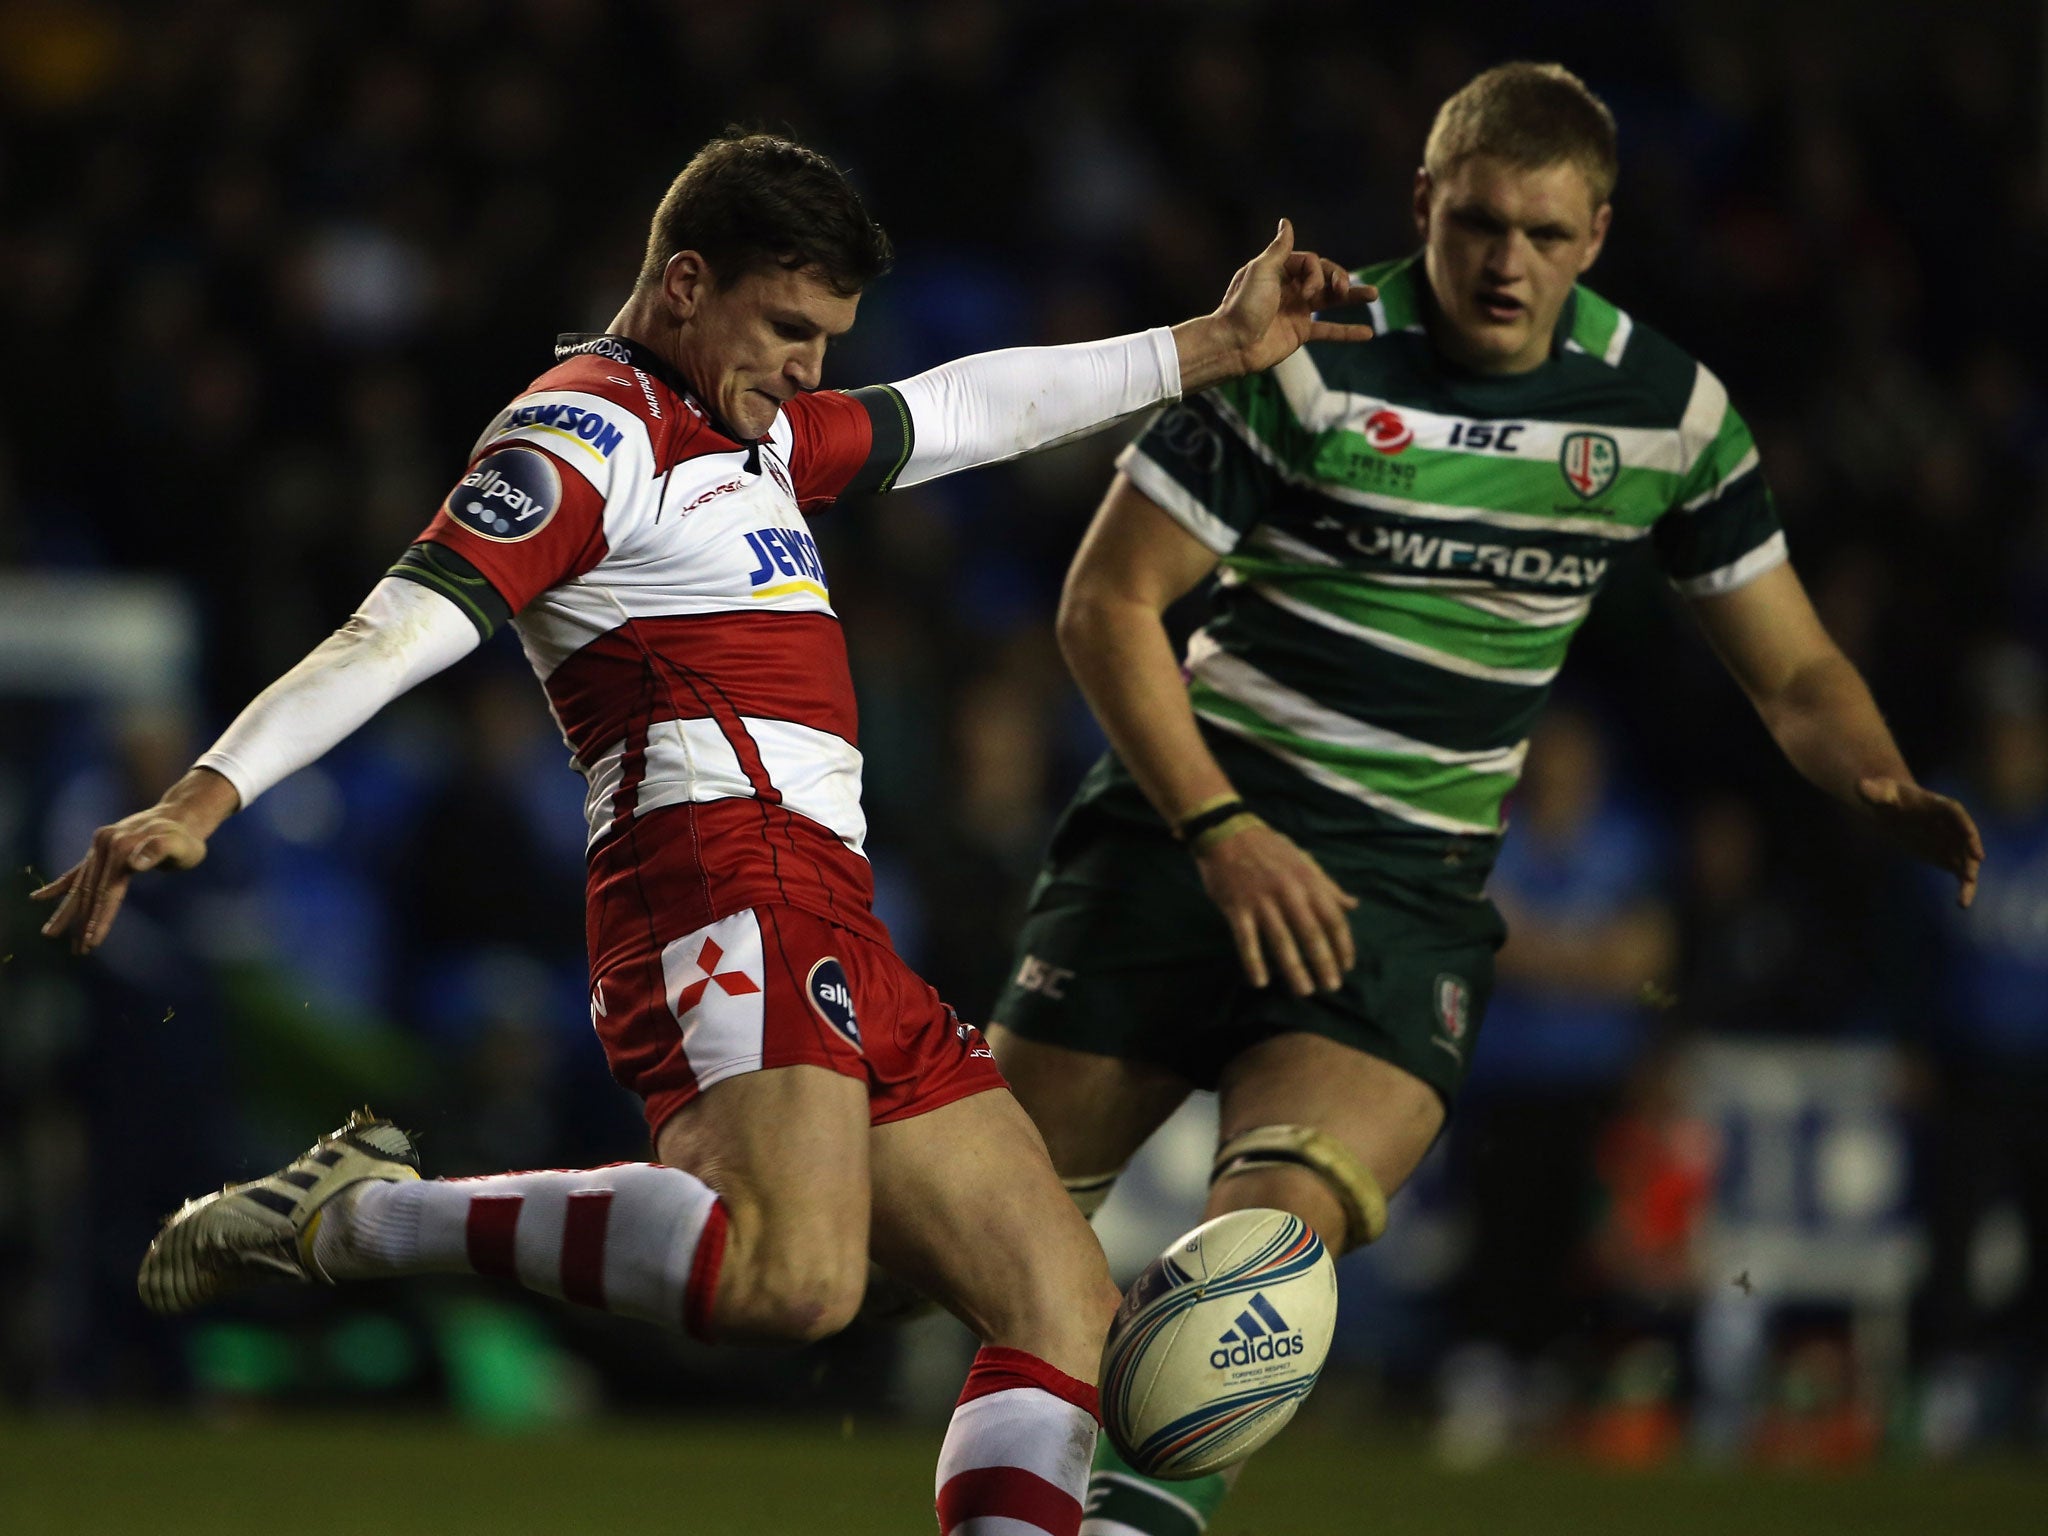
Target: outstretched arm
<point x="403" y="634"/>
<point x="998" y="405"/>
<point x="1817" y="708"/>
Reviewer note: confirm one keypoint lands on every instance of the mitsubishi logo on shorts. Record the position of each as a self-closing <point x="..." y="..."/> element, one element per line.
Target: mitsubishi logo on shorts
<point x="715" y="982"/>
<point x="732" y="983"/>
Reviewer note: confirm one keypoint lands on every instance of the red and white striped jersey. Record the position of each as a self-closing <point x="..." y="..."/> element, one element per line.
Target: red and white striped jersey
<point x="673" y="604"/>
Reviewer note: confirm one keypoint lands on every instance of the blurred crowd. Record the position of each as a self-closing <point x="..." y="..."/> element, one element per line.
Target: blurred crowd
<point x="270" y="267"/>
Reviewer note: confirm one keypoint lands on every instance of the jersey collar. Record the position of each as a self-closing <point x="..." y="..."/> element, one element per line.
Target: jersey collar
<point x="623" y="349"/>
<point x="1567" y="322"/>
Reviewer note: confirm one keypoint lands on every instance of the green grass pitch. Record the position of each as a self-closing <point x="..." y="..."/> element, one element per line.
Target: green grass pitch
<point x="358" y="1477"/>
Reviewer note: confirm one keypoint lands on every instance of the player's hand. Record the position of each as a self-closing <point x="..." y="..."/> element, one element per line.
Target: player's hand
<point x="1280" y="905"/>
<point x="1928" y="826"/>
<point x="1267" y="312"/>
<point x="171" y="834"/>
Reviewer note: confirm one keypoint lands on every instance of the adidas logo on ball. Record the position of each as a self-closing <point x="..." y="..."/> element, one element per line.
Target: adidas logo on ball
<point x="1201" y="1368"/>
<point x="1251" y="1344"/>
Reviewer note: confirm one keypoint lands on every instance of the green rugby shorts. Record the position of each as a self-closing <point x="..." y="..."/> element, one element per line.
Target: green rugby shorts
<point x="1122" y="953"/>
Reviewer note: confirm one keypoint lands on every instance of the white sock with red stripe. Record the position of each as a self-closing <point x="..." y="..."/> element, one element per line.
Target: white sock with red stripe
<point x="637" y="1239"/>
<point x="1016" y="1457"/>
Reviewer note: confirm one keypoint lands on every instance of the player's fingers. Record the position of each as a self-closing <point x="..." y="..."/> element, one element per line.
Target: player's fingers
<point x="1305" y="917"/>
<point x="1342" y="288"/>
<point x="1301" y="282"/>
<point x="1329" y="330"/>
<point x="1279" y="937"/>
<point x="67" y="911"/>
<point x="112" y="892"/>
<point x="106" y="864"/>
<point x="1271" y="264"/>
<point x="1331" y="909"/>
<point x="85" y="893"/>
<point x="1244" y="930"/>
<point x="149" y="853"/>
<point x="1960" y="832"/>
<point x="75" y="928"/>
<point x="1971" y="835"/>
<point x="56" y="887"/>
<point x="72" y="883"/>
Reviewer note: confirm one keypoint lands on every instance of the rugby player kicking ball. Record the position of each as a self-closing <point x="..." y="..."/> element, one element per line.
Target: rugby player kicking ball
<point x="637" y="514"/>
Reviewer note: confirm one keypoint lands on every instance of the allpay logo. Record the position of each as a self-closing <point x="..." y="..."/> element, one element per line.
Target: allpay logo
<point x="1250" y="1343"/>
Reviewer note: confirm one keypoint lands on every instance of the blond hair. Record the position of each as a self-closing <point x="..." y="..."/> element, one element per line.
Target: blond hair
<point x="1529" y="115"/>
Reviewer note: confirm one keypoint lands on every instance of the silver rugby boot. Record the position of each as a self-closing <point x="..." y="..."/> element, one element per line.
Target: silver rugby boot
<point x="264" y="1229"/>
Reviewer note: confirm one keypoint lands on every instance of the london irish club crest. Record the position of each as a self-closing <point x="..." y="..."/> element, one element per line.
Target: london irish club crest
<point x="1453" y="1006"/>
<point x="1590" y="461"/>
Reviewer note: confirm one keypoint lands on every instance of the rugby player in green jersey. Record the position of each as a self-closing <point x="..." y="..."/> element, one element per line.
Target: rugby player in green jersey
<point x="1274" y="885"/>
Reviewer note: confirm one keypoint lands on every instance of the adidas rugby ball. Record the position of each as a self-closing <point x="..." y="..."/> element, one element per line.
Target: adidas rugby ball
<point x="1217" y="1343"/>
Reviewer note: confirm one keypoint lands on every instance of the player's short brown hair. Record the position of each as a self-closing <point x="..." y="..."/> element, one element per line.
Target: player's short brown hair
<point x="747" y="201"/>
<point x="1529" y="115"/>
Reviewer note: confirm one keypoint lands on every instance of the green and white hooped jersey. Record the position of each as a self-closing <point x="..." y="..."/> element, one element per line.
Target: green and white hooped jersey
<point x="1407" y="548"/>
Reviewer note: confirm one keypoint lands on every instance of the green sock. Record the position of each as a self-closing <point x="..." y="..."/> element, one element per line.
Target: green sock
<point x="1121" y="1501"/>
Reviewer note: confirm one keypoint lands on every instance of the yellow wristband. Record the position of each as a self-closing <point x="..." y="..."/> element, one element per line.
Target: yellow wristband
<point x="1194" y="812"/>
<point x="1210" y="813"/>
<point x="1244" y="821"/>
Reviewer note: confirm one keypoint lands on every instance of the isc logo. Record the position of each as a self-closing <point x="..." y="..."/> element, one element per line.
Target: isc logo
<point x="1044" y="978"/>
<point x="1497" y="435"/>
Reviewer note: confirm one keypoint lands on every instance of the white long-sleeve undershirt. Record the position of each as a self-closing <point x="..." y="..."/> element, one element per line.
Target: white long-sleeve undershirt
<point x="402" y="635"/>
<point x="977" y="410"/>
<point x="998" y="405"/>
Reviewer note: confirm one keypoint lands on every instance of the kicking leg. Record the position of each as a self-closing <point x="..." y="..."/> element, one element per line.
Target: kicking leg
<point x="756" y="1228"/>
<point x="1308" y="1126"/>
<point x="787" y="1151"/>
<point x="752" y="1227"/>
<point x="636" y="1239"/>
<point x="968" y="1209"/>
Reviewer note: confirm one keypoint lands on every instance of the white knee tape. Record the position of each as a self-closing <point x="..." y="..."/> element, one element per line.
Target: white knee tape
<point x="1303" y="1146"/>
